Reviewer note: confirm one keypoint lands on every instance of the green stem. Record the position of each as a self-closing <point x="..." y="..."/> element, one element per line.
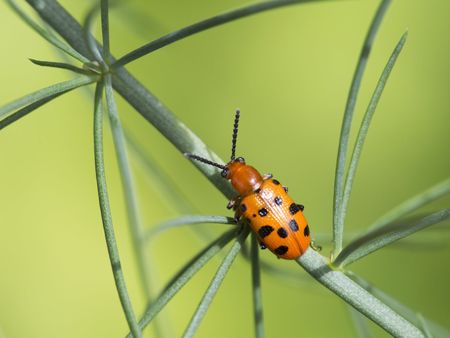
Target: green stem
<point x="108" y="228"/>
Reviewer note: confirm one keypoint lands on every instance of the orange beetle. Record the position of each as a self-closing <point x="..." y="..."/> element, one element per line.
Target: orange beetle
<point x="274" y="217"/>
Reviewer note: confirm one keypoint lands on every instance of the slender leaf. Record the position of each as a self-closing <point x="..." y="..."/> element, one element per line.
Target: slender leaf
<point x="360" y="323"/>
<point x="186" y="220"/>
<point x="45" y="93"/>
<point x="129" y="188"/>
<point x="364" y="128"/>
<point x="104" y="10"/>
<point x="203" y="25"/>
<point x="214" y="286"/>
<point x="338" y="228"/>
<point x="108" y="227"/>
<point x="437" y="191"/>
<point x="382" y="236"/>
<point x="424" y="324"/>
<point x="353" y="294"/>
<point x="183" y="276"/>
<point x="256" y="289"/>
<point x="61" y="65"/>
<point x="26" y="110"/>
<point x="88" y="37"/>
<point x="49" y="36"/>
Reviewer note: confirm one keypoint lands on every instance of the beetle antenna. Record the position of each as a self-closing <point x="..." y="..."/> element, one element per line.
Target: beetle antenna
<point x="204" y="160"/>
<point x="235" y="133"/>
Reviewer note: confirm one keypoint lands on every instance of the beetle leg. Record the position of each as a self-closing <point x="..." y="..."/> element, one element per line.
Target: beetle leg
<point x="301" y="207"/>
<point x="233" y="203"/>
<point x="285" y="188"/>
<point x="267" y="176"/>
<point x="262" y="245"/>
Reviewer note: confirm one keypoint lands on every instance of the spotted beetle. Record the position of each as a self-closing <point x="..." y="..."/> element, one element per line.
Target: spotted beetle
<point x="277" y="221"/>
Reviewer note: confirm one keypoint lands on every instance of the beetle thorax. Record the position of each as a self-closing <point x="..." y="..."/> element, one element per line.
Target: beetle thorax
<point x="244" y="178"/>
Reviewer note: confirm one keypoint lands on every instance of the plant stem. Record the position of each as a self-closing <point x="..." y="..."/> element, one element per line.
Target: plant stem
<point x="110" y="237"/>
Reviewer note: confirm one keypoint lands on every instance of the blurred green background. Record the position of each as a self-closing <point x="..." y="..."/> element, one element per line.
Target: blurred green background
<point x="289" y="71"/>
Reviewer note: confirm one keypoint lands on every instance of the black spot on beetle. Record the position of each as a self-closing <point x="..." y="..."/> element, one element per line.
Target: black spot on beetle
<point x="243" y="207"/>
<point x="263" y="212"/>
<point x="294" y="208"/>
<point x="254" y="215"/>
<point x="306" y="231"/>
<point x="265" y="231"/>
<point x="293" y="225"/>
<point x="258" y="190"/>
<point x="275" y="182"/>
<point x="282" y="232"/>
<point x="278" y="200"/>
<point x="281" y="250"/>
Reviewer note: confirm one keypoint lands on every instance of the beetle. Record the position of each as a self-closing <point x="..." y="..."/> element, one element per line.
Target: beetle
<point x="277" y="221"/>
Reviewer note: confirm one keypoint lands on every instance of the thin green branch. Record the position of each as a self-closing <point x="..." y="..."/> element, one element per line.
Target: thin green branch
<point x="128" y="186"/>
<point x="213" y="287"/>
<point x="256" y="289"/>
<point x="382" y="236"/>
<point x="356" y="296"/>
<point x="108" y="228"/>
<point x="49" y="36"/>
<point x="47" y="92"/>
<point x="61" y="65"/>
<point x="203" y="25"/>
<point x="362" y="133"/>
<point x="338" y="228"/>
<point x="412" y="204"/>
<point x="186" y="220"/>
<point x="183" y="276"/>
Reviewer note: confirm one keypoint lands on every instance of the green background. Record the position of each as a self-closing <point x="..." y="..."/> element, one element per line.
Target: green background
<point x="289" y="71"/>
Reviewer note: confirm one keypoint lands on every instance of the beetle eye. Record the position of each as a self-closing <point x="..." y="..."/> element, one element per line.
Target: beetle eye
<point x="224" y="173"/>
<point x="240" y="160"/>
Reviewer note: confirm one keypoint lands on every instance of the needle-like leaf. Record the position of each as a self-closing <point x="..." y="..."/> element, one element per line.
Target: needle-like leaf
<point x="183" y="276"/>
<point x="47" y="35"/>
<point x="61" y="65"/>
<point x="437" y="191"/>
<point x="214" y="286"/>
<point x="338" y="227"/>
<point x="47" y="92"/>
<point x="360" y="323"/>
<point x="203" y="25"/>
<point x="186" y="220"/>
<point x="108" y="227"/>
<point x="382" y="236"/>
<point x="256" y="289"/>
<point x="363" y="130"/>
